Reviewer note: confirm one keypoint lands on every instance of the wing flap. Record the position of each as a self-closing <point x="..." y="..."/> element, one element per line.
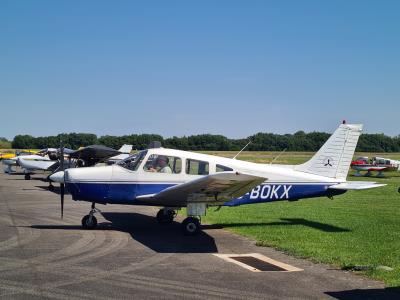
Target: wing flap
<point x="356" y="185"/>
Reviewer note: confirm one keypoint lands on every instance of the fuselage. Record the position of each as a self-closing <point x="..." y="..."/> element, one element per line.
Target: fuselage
<point x="10" y="161"/>
<point x="124" y="183"/>
<point x="35" y="162"/>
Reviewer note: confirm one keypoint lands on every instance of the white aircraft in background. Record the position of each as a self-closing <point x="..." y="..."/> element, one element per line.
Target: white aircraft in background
<point x="174" y="179"/>
<point x="9" y="163"/>
<point x="91" y="155"/>
<point x="48" y="159"/>
<point x="43" y="154"/>
<point x="125" y="151"/>
<point x="44" y="160"/>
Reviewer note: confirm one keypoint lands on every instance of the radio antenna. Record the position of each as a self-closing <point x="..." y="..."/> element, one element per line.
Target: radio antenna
<point x="242" y="150"/>
<point x="276" y="157"/>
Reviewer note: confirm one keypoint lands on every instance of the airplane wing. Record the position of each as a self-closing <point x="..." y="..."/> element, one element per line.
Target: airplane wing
<point x="219" y="187"/>
<point x="356" y="185"/>
<point x="67" y="151"/>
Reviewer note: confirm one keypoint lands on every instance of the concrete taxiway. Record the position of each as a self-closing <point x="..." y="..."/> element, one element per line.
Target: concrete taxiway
<point x="130" y="256"/>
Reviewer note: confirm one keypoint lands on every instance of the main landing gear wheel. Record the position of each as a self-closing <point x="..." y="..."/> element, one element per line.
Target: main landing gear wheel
<point x="89" y="222"/>
<point x="27" y="176"/>
<point x="191" y="226"/>
<point x="165" y="217"/>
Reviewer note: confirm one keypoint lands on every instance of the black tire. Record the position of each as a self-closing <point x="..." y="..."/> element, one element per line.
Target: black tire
<point x="165" y="218"/>
<point x="191" y="226"/>
<point x="27" y="176"/>
<point x="51" y="188"/>
<point x="89" y="224"/>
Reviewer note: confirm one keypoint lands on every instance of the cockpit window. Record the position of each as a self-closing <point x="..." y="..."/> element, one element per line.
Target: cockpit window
<point x="133" y="162"/>
<point x="163" y="164"/>
<point x="196" y="167"/>
<point x="221" y="168"/>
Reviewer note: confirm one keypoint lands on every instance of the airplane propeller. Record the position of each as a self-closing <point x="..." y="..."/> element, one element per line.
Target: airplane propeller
<point x="62" y="187"/>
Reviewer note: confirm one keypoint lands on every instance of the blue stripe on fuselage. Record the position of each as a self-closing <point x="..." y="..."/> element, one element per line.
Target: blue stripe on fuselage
<point x="126" y="193"/>
<point x="117" y="193"/>
<point x="282" y="191"/>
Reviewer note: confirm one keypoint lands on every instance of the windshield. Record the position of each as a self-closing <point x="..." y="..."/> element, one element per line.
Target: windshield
<point x="132" y="162"/>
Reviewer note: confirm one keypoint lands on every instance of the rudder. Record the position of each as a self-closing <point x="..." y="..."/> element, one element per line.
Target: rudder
<point x="334" y="157"/>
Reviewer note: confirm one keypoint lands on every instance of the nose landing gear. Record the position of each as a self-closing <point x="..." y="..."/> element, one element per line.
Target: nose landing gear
<point x="89" y="221"/>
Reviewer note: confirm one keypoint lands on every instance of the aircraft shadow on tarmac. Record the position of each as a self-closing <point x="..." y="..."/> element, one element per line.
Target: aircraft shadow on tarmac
<point x="291" y="221"/>
<point x="367" y="294"/>
<point x="32" y="178"/>
<point x="55" y="190"/>
<point x="167" y="238"/>
<point x="15" y="173"/>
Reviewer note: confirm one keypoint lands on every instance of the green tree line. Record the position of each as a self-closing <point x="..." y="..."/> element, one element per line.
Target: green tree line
<point x="4" y="143"/>
<point x="299" y="141"/>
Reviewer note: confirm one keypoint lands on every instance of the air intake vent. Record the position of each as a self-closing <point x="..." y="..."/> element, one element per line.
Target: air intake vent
<point x="258" y="263"/>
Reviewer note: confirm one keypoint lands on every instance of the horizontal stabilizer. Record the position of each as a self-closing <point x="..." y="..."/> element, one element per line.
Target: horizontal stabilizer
<point x="356" y="185"/>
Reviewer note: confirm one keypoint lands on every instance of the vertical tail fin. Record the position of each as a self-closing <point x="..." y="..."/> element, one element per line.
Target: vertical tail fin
<point x="125" y="149"/>
<point x="334" y="158"/>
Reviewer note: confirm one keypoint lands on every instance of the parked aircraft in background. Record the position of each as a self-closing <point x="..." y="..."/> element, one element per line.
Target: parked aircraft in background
<point x="88" y="157"/>
<point x="93" y="154"/>
<point x="49" y="159"/>
<point x="174" y="179"/>
<point x="378" y="164"/>
<point x="125" y="151"/>
<point x="7" y="155"/>
<point x="45" y="160"/>
<point x="9" y="163"/>
<point x="12" y="161"/>
<point x="16" y="153"/>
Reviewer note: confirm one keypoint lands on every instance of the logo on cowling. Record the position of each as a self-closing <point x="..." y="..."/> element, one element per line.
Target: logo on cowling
<point x="328" y="162"/>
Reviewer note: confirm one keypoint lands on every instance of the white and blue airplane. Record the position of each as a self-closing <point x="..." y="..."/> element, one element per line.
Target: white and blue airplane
<point x="173" y="179"/>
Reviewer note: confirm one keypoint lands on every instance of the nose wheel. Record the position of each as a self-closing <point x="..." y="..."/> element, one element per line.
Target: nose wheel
<point x="27" y="176"/>
<point x="90" y="221"/>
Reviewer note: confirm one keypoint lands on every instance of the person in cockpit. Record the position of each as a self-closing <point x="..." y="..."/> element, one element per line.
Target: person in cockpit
<point x="161" y="165"/>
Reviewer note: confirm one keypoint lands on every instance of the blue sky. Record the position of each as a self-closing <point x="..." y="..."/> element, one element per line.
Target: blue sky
<point x="187" y="67"/>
